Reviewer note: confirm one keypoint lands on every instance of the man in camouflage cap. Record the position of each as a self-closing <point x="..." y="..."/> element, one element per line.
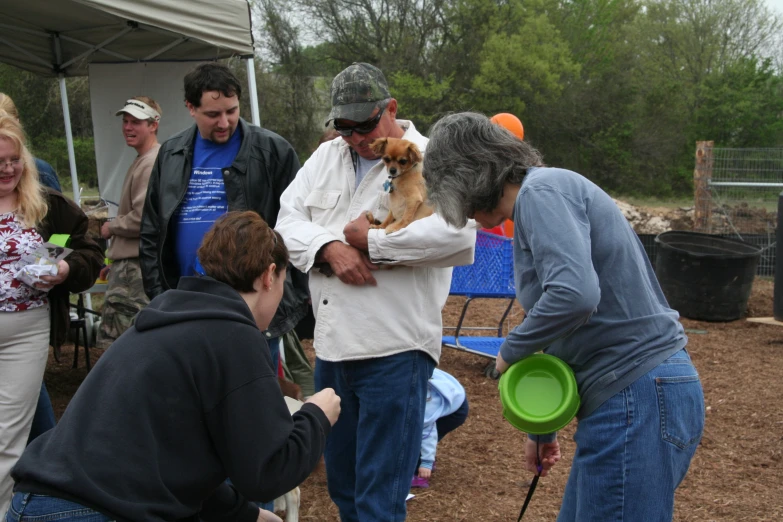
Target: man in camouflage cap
<point x="377" y="333"/>
<point x="356" y="92"/>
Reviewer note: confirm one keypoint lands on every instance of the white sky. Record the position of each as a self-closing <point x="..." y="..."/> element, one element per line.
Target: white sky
<point x="777" y="5"/>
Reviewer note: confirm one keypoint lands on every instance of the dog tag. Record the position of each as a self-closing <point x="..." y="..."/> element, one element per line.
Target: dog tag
<point x="387" y="186"/>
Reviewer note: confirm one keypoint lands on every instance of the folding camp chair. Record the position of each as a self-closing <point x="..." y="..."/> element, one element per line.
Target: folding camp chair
<point x="491" y="276"/>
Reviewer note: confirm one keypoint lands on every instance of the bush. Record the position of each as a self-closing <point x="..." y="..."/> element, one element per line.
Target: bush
<point x="55" y="151"/>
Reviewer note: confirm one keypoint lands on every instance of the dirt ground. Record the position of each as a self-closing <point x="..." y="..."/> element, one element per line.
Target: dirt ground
<point x="737" y="474"/>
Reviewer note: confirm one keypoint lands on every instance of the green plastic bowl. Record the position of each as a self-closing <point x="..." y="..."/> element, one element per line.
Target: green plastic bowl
<point x="539" y="394"/>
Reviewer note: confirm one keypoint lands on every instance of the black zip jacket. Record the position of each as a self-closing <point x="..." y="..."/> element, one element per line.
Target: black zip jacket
<point x="264" y="166"/>
<point x="65" y="217"/>
<point x="184" y="399"/>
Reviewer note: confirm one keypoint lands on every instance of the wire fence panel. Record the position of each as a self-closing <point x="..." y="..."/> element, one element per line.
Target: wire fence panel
<point x="736" y="195"/>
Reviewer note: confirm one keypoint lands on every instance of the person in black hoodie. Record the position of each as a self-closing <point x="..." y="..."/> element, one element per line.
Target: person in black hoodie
<point x="183" y="400"/>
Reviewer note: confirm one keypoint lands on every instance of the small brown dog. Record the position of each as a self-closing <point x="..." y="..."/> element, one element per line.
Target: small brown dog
<point x="406" y="188"/>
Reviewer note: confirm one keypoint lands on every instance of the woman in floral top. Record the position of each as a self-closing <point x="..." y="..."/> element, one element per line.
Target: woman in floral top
<point x="31" y="315"/>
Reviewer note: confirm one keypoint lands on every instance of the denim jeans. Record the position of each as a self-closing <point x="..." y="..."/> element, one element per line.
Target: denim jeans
<point x="274" y="351"/>
<point x="372" y="450"/>
<point x="634" y="450"/>
<point x="44" y="419"/>
<point x="452" y="421"/>
<point x="42" y="508"/>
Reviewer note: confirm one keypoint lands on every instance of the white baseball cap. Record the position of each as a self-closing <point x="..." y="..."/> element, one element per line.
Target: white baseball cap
<point x="139" y="109"/>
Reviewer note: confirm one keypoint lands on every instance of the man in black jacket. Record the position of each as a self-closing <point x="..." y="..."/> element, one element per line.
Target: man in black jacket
<point x="222" y="163"/>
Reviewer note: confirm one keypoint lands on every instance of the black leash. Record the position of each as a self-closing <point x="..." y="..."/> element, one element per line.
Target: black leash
<point x="533" y="484"/>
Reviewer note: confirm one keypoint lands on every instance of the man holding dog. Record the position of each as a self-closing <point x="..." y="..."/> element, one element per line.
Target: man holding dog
<point x="377" y="332"/>
<point x="219" y="164"/>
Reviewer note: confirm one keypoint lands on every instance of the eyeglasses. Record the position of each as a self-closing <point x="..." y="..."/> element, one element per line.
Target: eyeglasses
<point x="364" y="127"/>
<point x="14" y="164"/>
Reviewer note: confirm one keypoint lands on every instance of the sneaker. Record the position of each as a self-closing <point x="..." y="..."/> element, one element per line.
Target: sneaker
<point x="419" y="482"/>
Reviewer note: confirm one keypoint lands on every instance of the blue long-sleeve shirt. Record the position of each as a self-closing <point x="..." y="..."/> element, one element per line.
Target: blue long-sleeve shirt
<point x="46" y="175"/>
<point x="445" y="395"/>
<point x="587" y="286"/>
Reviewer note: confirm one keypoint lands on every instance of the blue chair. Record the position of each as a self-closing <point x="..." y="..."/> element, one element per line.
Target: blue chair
<point x="491" y="276"/>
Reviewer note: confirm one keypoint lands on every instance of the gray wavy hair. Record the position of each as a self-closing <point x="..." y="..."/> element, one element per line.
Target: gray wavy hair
<point x="468" y="162"/>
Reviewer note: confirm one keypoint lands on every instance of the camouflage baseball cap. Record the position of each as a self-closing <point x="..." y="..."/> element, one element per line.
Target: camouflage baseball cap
<point x="356" y="91"/>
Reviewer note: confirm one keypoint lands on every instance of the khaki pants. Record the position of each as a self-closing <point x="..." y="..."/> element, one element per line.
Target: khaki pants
<point x="24" y="349"/>
<point x="296" y="367"/>
<point x="125" y="298"/>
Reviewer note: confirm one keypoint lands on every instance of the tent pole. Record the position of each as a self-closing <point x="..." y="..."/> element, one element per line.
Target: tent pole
<point x="69" y="139"/>
<point x="251" y="84"/>
<point x="74" y="177"/>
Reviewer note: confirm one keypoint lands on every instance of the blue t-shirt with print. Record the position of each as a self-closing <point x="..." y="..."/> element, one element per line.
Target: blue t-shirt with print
<point x="205" y="201"/>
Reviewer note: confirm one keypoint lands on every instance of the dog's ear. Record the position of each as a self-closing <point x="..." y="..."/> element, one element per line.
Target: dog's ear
<point x="378" y="146"/>
<point x="414" y="154"/>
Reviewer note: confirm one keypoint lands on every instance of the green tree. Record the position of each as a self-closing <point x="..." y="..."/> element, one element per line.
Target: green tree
<point x="291" y="104"/>
<point x="391" y="34"/>
<point x="742" y="106"/>
<point x="700" y="61"/>
<point x="38" y="101"/>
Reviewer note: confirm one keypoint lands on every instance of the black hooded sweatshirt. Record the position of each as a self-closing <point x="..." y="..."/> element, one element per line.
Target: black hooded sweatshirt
<point x="183" y="400"/>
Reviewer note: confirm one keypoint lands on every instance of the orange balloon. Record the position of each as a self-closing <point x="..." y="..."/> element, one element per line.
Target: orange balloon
<point x="510" y="122"/>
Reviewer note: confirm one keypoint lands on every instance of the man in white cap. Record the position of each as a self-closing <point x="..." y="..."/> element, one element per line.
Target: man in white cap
<point x="125" y="295"/>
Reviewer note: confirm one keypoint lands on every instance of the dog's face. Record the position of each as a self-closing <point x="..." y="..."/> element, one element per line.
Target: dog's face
<point x="398" y="155"/>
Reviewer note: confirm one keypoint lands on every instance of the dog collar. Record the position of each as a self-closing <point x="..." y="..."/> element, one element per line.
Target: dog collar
<point x="387" y="185"/>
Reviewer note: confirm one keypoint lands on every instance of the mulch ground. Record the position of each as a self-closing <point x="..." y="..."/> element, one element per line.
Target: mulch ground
<point x="737" y="474"/>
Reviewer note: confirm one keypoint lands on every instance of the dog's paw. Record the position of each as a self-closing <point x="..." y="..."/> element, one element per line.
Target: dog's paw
<point x="392" y="228"/>
<point x="372" y="220"/>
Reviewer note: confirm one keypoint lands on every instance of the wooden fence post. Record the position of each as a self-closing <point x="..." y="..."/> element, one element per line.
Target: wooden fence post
<point x="702" y="175"/>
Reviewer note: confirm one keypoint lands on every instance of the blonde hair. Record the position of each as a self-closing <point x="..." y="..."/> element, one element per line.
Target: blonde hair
<point x="149" y="101"/>
<point x="32" y="202"/>
<point x="7" y="105"/>
<point x="152" y="103"/>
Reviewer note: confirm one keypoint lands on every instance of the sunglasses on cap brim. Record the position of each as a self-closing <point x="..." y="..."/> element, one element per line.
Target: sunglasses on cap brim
<point x="364" y="127"/>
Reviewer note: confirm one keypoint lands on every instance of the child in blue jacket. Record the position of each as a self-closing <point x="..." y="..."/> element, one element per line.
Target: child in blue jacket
<point x="446" y="410"/>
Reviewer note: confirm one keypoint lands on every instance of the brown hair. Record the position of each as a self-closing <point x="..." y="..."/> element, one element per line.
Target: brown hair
<point x="239" y="247"/>
<point x="30" y="194"/>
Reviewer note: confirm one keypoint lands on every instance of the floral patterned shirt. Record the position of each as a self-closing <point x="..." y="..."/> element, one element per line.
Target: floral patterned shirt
<point x="15" y="242"/>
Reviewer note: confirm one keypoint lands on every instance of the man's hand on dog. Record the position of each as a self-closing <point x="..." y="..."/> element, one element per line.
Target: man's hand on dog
<point x="356" y="232"/>
<point x="350" y="265"/>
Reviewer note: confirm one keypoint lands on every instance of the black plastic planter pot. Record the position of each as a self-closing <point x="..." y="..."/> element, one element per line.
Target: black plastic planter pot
<point x="706" y="277"/>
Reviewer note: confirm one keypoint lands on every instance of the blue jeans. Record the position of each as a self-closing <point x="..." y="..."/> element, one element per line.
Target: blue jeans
<point x="40" y="508"/>
<point x="634" y="450"/>
<point x="274" y="351"/>
<point x="372" y="450"/>
<point x="43" y="420"/>
<point x="452" y="421"/>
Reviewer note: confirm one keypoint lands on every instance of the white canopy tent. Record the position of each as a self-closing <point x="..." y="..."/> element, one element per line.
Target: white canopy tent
<point x="62" y="38"/>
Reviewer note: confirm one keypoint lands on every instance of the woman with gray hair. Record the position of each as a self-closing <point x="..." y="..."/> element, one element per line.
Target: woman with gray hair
<point x="591" y="299"/>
